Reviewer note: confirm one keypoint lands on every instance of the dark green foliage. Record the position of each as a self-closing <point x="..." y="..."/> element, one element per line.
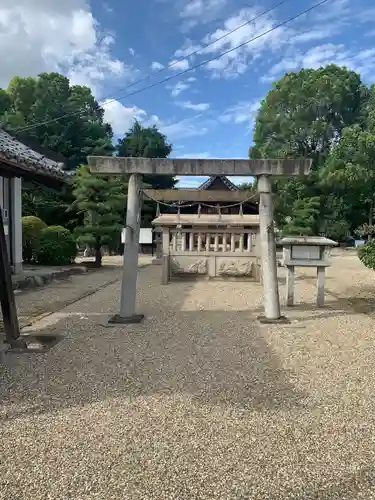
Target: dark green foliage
<point x="147" y="142"/>
<point x="32" y="228"/>
<point x="366" y="253"/>
<point x="83" y="132"/>
<point x="248" y="186"/>
<point x="5" y="102"/>
<point x="52" y="206"/>
<point x="327" y="115"/>
<point x="305" y="111"/>
<point x="49" y="96"/>
<point x="303" y="220"/>
<point x="56" y="247"/>
<point x="101" y="202"/>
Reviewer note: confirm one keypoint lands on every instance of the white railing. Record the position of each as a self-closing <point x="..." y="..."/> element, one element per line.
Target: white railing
<point x="221" y="241"/>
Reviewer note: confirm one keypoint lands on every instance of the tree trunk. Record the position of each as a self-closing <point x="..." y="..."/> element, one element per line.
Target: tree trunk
<point x="371" y="212"/>
<point x="98" y="256"/>
<point x="370" y="218"/>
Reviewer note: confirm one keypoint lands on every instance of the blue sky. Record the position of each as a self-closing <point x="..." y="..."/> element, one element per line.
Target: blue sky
<point x="208" y="112"/>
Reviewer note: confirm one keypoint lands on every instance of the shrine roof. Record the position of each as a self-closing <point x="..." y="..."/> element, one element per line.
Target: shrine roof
<point x="209" y="182"/>
<point x="20" y="160"/>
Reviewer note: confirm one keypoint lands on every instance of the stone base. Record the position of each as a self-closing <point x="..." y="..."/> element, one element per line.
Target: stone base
<point x="29" y="344"/>
<point x="128" y="320"/>
<point x="283" y="320"/>
<point x="156" y="261"/>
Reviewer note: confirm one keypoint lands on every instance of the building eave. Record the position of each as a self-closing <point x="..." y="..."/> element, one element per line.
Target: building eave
<point x="224" y="180"/>
<point x="19" y="160"/>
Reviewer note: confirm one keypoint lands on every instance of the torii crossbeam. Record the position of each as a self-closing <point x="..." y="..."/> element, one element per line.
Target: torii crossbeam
<point x="136" y="167"/>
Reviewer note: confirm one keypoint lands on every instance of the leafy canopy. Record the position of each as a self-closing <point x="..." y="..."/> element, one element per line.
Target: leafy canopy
<point x="319" y="114"/>
<point x="147" y="142"/>
<point x="101" y="201"/>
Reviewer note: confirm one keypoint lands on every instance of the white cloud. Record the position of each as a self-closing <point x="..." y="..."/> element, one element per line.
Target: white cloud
<point x="314" y="34"/>
<point x="190" y="182"/>
<point x="243" y="112"/>
<point x="201" y="106"/>
<point x="241" y="180"/>
<point x="120" y="117"/>
<point x="190" y="127"/>
<point x="156" y="66"/>
<point x="63" y="36"/>
<point x="188" y="48"/>
<point x="237" y="61"/>
<point x="179" y="65"/>
<point x="362" y="61"/>
<point x="195" y="155"/>
<point x="196" y="12"/>
<point x="131" y="51"/>
<point x="107" y="8"/>
<point x="179" y="87"/>
<point x="318" y="25"/>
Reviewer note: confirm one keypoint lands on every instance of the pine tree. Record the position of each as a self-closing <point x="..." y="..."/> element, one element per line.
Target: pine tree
<point x="304" y="217"/>
<point x="147" y="142"/>
<point x="101" y="200"/>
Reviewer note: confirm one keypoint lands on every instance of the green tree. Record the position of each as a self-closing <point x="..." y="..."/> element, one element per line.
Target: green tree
<point x="50" y="205"/>
<point x="248" y="186"/>
<point x="44" y="100"/>
<point x="305" y="112"/>
<point x="5" y="102"/>
<point x="100" y="200"/>
<point x="303" y="220"/>
<point x="304" y="115"/>
<point x="81" y="132"/>
<point x="350" y="168"/>
<point x="147" y="142"/>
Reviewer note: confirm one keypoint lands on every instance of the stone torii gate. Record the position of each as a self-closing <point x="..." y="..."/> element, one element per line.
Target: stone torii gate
<point x="136" y="167"/>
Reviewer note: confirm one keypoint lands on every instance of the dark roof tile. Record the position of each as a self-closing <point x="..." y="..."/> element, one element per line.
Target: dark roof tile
<point x="15" y="151"/>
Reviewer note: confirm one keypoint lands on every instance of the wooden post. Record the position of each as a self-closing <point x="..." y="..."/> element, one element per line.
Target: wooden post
<point x="290" y="273"/>
<point x="8" y="303"/>
<point x="320" y="286"/>
<point x="268" y="250"/>
<point x="165" y="264"/>
<point x="158" y="248"/>
<point x="130" y="259"/>
<point x="225" y="244"/>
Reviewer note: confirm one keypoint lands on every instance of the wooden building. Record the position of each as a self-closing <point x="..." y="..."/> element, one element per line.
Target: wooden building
<point x="216" y="184"/>
<point x="20" y="161"/>
<point x="217" y="217"/>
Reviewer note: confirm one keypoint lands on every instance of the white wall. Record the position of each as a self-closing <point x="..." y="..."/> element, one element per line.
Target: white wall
<point x="16" y="207"/>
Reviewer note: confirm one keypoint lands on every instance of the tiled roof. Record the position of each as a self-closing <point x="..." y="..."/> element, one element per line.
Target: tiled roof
<point x="224" y="180"/>
<point x="14" y="151"/>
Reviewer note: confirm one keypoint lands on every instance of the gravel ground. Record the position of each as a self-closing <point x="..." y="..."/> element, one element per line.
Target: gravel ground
<point x="198" y="402"/>
<point x="54" y="296"/>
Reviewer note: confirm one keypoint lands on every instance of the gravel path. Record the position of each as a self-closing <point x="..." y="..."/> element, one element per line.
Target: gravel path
<point x="198" y="402"/>
<point x="54" y="296"/>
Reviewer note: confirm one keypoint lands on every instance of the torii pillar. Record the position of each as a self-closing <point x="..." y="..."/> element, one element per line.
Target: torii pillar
<point x="136" y="167"/>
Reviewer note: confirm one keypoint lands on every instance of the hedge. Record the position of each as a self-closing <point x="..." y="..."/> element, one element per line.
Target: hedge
<point x="32" y="228"/>
<point x="56" y="247"/>
<point x="366" y="253"/>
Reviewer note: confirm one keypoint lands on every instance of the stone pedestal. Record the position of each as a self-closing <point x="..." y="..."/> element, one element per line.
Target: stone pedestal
<point x="306" y="251"/>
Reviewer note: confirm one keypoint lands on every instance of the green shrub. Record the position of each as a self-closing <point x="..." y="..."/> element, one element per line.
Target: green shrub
<point x="56" y="247"/>
<point x="31" y="230"/>
<point x="366" y="253"/>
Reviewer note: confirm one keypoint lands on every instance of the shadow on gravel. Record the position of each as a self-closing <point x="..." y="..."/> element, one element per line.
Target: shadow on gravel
<point x="213" y="357"/>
